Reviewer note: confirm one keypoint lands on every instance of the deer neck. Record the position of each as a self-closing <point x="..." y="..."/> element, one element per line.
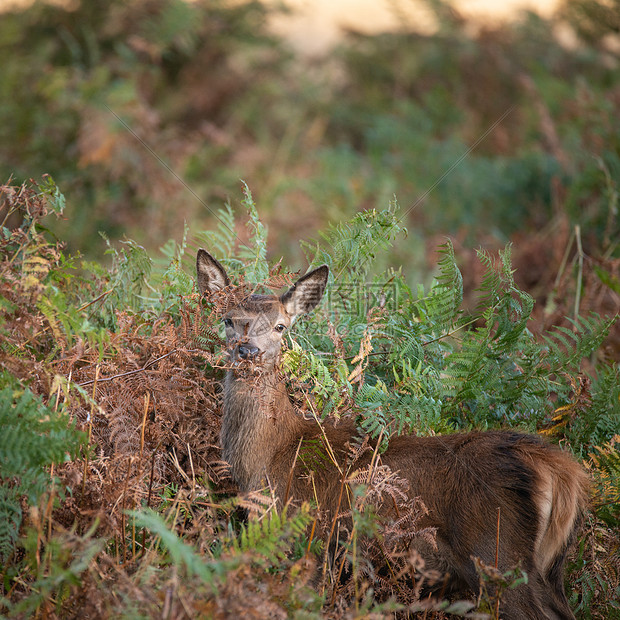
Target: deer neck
<point x="258" y="421"/>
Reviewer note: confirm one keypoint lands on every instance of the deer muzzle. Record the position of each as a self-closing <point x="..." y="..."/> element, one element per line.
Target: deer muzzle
<point x="247" y="352"/>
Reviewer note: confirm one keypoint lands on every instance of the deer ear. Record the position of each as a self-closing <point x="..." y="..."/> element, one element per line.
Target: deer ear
<point x="210" y="274"/>
<point x="306" y="293"/>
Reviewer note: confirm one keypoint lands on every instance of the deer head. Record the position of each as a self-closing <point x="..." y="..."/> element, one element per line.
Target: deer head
<point x="254" y="327"/>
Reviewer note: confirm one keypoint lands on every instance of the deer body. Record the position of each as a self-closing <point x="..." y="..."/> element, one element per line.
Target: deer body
<point x="462" y="479"/>
<point x="261" y="414"/>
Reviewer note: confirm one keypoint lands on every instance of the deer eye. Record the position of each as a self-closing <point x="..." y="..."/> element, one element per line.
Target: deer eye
<point x="228" y="323"/>
<point x="280" y="327"/>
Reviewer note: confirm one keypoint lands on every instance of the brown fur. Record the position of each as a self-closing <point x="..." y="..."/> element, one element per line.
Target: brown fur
<point x="463" y="478"/>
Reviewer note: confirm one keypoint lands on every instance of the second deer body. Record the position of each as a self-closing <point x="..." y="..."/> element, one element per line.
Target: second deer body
<point x="462" y="478"/>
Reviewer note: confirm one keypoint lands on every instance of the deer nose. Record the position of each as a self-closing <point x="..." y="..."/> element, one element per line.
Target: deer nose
<point x="247" y="351"/>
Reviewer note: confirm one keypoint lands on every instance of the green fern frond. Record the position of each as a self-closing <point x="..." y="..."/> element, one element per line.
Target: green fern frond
<point x="48" y="310"/>
<point x="497" y="279"/>
<point x="511" y="316"/>
<point x="255" y="253"/>
<point x="442" y="306"/>
<point x="411" y="402"/>
<point x="606" y="469"/>
<point x="567" y="348"/>
<point x="607" y="460"/>
<point x="450" y="277"/>
<point x="181" y="554"/>
<point x="10" y="520"/>
<point x="490" y="288"/>
<point x="129" y="278"/>
<point x="601" y="421"/>
<point x="309" y="368"/>
<point x="270" y="539"/>
<point x="220" y="242"/>
<point x="350" y="248"/>
<point x="33" y="437"/>
<point x="373" y="401"/>
<point x="54" y="197"/>
<point x="406" y="338"/>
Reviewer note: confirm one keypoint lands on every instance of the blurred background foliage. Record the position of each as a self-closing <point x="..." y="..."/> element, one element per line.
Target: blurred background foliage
<point x="148" y="113"/>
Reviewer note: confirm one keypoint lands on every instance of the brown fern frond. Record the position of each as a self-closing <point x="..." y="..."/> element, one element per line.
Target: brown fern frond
<point x="258" y="503"/>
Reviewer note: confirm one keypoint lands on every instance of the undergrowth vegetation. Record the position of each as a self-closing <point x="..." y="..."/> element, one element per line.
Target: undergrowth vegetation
<point x="115" y="503"/>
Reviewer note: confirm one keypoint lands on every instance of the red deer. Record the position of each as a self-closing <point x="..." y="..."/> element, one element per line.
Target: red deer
<point x="462" y="478"/>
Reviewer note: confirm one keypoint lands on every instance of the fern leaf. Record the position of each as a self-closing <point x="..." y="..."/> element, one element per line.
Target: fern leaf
<point x="606" y="467"/>
<point x="221" y="242"/>
<point x="33" y="437"/>
<point x="441" y="307"/>
<point x="10" y="520"/>
<point x="180" y="553"/>
<point x="256" y="252"/>
<point x="568" y="347"/>
<point x="269" y="539"/>
<point x="350" y="248"/>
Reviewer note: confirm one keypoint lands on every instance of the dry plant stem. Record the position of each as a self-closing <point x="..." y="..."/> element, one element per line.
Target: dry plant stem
<point x="497" y="537"/>
<point x="339" y="576"/>
<point x="19" y="249"/>
<point x="290" y="475"/>
<point x="353" y="538"/>
<point x="371" y="469"/>
<point x="333" y="526"/>
<point x="342" y="485"/>
<point x="316" y="518"/>
<point x="147" y="400"/>
<point x="579" y="271"/>
<point x="186" y="608"/>
<point x="148" y="498"/>
<point x="94" y="301"/>
<point x="448" y="334"/>
<point x="123" y="541"/>
<point x="396" y="508"/>
<point x="133" y="538"/>
<point x="50" y="502"/>
<point x="191" y="464"/>
<point x="356" y="584"/>
<point x="40" y="526"/>
<point x="167" y="602"/>
<point x="328" y="446"/>
<point x="90" y="428"/>
<point x="373" y="460"/>
<point x="334" y="460"/>
<point x="389" y="566"/>
<point x="497" y="559"/>
<point x="444" y="586"/>
<point x="56" y="402"/>
<point x="174" y="459"/>
<point x="311" y="537"/>
<point x="133" y="372"/>
<point x="9" y="212"/>
<point x="562" y="268"/>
